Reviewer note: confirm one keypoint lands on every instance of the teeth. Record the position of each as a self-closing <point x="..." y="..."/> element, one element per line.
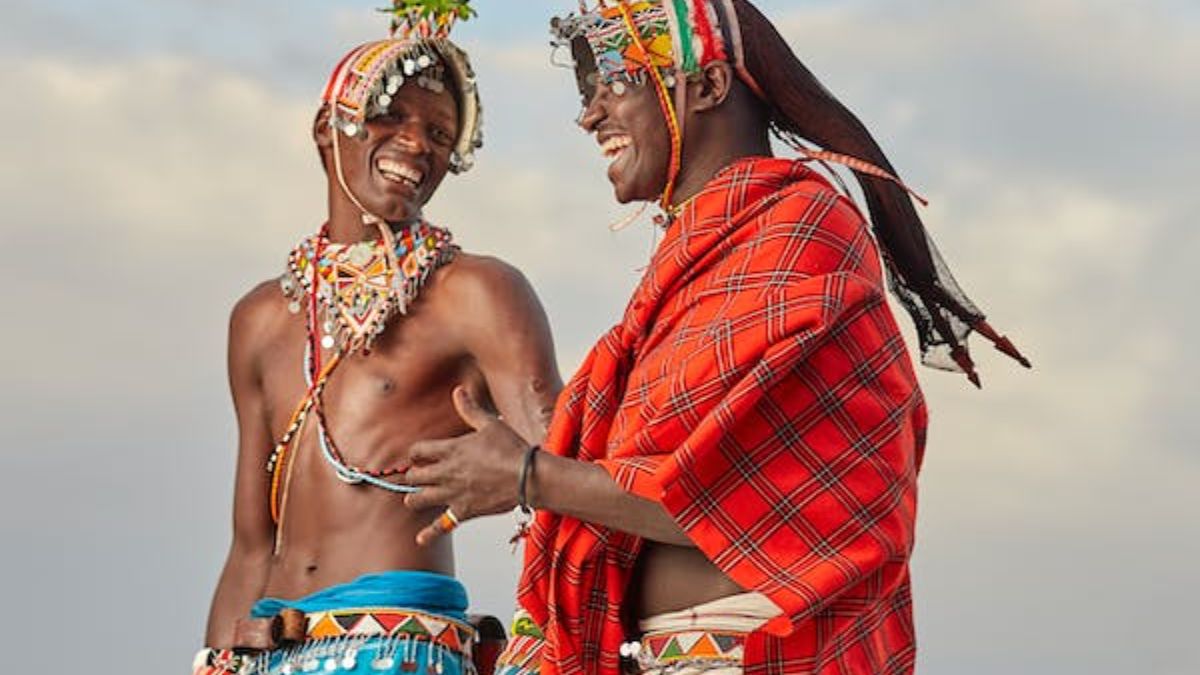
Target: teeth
<point x="399" y="173"/>
<point x="613" y="146"/>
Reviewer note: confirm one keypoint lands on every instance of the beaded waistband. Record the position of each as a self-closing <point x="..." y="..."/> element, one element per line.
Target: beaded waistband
<point x="337" y="640"/>
<point x="699" y="647"/>
<point x="387" y="622"/>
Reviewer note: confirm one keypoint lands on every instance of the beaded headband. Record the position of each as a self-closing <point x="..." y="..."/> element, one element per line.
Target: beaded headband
<point x="369" y="76"/>
<point x="673" y="36"/>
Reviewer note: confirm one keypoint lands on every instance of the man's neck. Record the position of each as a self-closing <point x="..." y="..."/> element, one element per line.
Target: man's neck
<point x="703" y="162"/>
<point x="693" y="177"/>
<point x="347" y="224"/>
<point x="341" y="232"/>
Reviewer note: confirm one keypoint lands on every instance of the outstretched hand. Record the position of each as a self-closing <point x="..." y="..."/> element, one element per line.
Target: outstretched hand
<point x="474" y="475"/>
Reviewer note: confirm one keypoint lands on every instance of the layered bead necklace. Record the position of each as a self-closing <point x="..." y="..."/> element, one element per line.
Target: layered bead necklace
<point x="349" y="293"/>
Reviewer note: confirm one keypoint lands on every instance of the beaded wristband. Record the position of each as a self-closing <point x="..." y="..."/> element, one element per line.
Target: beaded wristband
<point x="526" y="470"/>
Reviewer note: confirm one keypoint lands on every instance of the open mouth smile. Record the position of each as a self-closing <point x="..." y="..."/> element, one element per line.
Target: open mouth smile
<point x="614" y="146"/>
<point x="400" y="172"/>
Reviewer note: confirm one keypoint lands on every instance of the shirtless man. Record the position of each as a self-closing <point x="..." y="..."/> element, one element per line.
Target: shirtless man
<point x="399" y="318"/>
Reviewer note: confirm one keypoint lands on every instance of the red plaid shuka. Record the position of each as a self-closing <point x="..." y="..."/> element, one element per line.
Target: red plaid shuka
<point x="759" y="389"/>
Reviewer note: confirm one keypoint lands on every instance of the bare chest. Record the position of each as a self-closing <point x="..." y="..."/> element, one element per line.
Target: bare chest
<point x="375" y="403"/>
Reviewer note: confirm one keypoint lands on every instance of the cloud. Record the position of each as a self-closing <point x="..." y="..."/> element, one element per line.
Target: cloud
<point x="145" y="190"/>
<point x="1040" y="89"/>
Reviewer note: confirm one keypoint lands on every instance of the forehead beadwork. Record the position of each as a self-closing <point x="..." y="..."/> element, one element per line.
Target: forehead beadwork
<point x="627" y="37"/>
<point x="603" y="50"/>
<point x="374" y="73"/>
<point x="368" y="78"/>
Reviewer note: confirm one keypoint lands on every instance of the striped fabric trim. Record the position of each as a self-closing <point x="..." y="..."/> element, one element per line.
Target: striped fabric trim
<point x="522" y="656"/>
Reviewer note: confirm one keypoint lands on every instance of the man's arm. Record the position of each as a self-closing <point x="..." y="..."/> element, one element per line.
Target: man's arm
<point x="503" y="326"/>
<point x="245" y="573"/>
<point x="588" y="492"/>
<point x="478" y="475"/>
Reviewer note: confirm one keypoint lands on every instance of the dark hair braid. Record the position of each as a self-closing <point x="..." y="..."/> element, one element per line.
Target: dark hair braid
<point x="801" y="109"/>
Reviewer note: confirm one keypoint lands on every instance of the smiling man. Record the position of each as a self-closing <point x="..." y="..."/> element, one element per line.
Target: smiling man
<point x="350" y="356"/>
<point x="729" y="482"/>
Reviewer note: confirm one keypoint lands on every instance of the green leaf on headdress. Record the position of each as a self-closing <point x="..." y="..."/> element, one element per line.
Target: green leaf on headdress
<point x="407" y="14"/>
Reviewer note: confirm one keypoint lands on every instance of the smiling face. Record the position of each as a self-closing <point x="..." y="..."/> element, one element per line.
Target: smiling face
<point x="628" y="123"/>
<point x="396" y="164"/>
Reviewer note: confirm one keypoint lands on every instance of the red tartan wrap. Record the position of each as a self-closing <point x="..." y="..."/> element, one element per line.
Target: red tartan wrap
<point x="759" y="389"/>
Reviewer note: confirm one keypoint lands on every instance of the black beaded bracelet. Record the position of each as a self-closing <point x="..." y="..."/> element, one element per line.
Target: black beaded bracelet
<point x="526" y="470"/>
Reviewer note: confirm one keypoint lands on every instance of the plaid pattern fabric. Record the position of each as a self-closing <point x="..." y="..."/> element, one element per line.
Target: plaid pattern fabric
<point x="758" y="388"/>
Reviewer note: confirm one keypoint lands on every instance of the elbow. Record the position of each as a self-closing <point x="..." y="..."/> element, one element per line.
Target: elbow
<point x="251" y="547"/>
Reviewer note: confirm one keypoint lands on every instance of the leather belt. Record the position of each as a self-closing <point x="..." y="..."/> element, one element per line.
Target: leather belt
<point x="288" y="627"/>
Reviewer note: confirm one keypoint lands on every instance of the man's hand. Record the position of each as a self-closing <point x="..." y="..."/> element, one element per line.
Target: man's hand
<point x="475" y="475"/>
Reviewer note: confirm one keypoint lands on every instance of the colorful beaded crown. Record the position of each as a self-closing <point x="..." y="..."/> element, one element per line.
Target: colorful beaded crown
<point x="369" y="76"/>
<point x="672" y="36"/>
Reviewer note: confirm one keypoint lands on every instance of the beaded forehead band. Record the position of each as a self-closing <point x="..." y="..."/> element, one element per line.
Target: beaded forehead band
<point x="673" y="36"/>
<point x="367" y="78"/>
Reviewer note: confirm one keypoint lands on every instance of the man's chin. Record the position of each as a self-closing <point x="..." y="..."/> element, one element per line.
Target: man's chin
<point x="627" y="194"/>
<point x="397" y="213"/>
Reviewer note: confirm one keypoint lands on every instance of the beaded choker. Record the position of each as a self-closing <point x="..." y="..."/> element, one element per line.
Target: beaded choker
<point x="349" y="293"/>
<point x="357" y="288"/>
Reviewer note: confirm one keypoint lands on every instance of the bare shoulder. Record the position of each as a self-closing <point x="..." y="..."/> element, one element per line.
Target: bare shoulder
<point x="256" y="317"/>
<point x="491" y="306"/>
<point x="485" y="286"/>
<point x="472" y="273"/>
<point x="260" y="305"/>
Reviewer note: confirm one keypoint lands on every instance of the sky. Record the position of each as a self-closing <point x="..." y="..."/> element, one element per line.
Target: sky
<point x="161" y="152"/>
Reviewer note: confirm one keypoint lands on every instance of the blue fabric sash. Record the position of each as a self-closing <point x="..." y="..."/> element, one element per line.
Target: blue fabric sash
<point x="381" y="655"/>
<point x="424" y="591"/>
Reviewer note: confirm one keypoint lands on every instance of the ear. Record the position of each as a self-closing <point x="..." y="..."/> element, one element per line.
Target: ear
<point x="322" y="132"/>
<point x="712" y="87"/>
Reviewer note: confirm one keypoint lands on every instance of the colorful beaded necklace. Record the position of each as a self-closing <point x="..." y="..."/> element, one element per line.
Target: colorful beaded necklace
<point x="349" y="293"/>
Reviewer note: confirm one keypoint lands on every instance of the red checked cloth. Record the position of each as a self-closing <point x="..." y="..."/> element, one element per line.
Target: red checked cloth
<point x="759" y="389"/>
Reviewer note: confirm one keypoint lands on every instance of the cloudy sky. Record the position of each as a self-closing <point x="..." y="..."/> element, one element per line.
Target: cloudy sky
<point x="156" y="162"/>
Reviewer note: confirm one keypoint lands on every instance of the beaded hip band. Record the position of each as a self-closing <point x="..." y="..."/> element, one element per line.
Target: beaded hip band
<point x="453" y="635"/>
<point x="334" y="639"/>
<point x="695" y="649"/>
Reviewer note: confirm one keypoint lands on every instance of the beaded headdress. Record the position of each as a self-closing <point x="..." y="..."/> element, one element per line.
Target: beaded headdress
<point x="419" y="49"/>
<point x="624" y="40"/>
<point x="619" y="43"/>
